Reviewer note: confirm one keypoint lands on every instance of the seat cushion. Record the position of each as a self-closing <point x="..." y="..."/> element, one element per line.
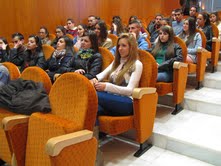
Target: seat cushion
<point x="114" y="125"/>
<point x="164" y="88"/>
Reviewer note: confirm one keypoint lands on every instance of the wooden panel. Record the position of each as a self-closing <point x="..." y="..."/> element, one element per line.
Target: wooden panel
<point x="26" y="16"/>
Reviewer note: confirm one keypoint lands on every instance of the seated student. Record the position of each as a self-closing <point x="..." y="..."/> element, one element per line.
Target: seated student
<point x="4" y="75"/>
<point x="214" y="18"/>
<point x="142" y="29"/>
<point x="60" y="31"/>
<point x="92" y="21"/>
<point x="134" y="27"/>
<point x="88" y="60"/>
<point x="192" y="39"/>
<point x="4" y="50"/>
<point x="33" y="55"/>
<point x="193" y="12"/>
<point x="204" y="25"/>
<point x="70" y="28"/>
<point x="166" y="52"/>
<point x="124" y="75"/>
<point x="178" y="23"/>
<point x="77" y="40"/>
<point x="101" y="31"/>
<point x="153" y="30"/>
<point x="58" y="62"/>
<point x="117" y="27"/>
<point x="44" y="36"/>
<point x="17" y="53"/>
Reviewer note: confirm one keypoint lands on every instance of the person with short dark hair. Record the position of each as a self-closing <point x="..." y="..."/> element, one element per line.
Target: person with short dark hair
<point x="17" y="53"/>
<point x="178" y="24"/>
<point x="70" y="27"/>
<point x="153" y="30"/>
<point x="34" y="55"/>
<point x="44" y="36"/>
<point x="193" y="12"/>
<point x="92" y="22"/>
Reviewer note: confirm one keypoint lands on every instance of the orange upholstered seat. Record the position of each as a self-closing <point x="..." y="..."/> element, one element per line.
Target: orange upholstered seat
<point x="52" y="36"/>
<point x="144" y="101"/>
<point x="47" y="50"/>
<point x="31" y="73"/>
<point x="114" y="38"/>
<point x="107" y="57"/>
<point x="64" y="132"/>
<point x="13" y="70"/>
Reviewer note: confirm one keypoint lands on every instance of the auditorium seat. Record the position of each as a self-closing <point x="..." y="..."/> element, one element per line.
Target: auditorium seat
<point x="114" y="38"/>
<point x="13" y="70"/>
<point x="31" y="73"/>
<point x="66" y="131"/>
<point x="178" y="86"/>
<point x="107" y="57"/>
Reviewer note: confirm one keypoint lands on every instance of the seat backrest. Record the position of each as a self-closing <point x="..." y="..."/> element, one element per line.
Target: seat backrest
<point x="114" y="38"/>
<point x="13" y="70"/>
<point x="203" y="36"/>
<point x="215" y="30"/>
<point x="107" y="57"/>
<point x="182" y="44"/>
<point x="47" y="50"/>
<point x="37" y="74"/>
<point x="73" y="97"/>
<point x="70" y="36"/>
<point x="149" y="74"/>
<point x="52" y="36"/>
<point x="148" y="41"/>
<point x="75" y="49"/>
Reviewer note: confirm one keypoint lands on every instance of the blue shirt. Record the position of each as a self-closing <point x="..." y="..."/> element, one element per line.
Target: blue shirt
<point x="177" y="27"/>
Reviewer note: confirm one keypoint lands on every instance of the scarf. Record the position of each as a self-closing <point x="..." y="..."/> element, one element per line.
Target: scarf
<point x="85" y="54"/>
<point x="59" y="53"/>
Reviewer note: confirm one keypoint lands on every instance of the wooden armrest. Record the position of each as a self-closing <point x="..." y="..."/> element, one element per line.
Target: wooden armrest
<point x="139" y="92"/>
<point x="11" y="121"/>
<point x="214" y="39"/>
<point x="178" y="65"/>
<point x="55" y="145"/>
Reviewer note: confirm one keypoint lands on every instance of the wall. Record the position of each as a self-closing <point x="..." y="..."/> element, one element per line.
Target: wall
<point x="27" y="16"/>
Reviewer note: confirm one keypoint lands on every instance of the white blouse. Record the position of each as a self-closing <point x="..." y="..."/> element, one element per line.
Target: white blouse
<point x="133" y="81"/>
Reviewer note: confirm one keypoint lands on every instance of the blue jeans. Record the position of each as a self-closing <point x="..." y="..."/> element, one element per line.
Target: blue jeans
<point x="165" y="76"/>
<point x="114" y="105"/>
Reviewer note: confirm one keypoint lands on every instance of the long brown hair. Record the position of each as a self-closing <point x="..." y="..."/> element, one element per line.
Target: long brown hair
<point x="132" y="57"/>
<point x="170" y="49"/>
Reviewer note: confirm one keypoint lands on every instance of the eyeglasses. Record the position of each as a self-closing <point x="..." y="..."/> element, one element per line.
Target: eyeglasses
<point x="41" y="32"/>
<point x="177" y="14"/>
<point x="16" y="41"/>
<point x="58" y="31"/>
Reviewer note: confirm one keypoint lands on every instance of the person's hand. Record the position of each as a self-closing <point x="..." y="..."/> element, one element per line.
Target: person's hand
<point x="94" y="81"/>
<point x="18" y="44"/>
<point x="56" y="76"/>
<point x="3" y="46"/>
<point x="80" y="71"/>
<point x="100" y="86"/>
<point x="114" y="26"/>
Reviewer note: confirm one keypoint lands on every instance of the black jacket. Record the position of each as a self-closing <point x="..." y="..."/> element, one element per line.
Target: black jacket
<point x="58" y="65"/>
<point x="17" y="55"/>
<point x="24" y="97"/>
<point x="207" y="30"/>
<point x="4" y="56"/>
<point x="33" y="60"/>
<point x="167" y="65"/>
<point x="92" y="66"/>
